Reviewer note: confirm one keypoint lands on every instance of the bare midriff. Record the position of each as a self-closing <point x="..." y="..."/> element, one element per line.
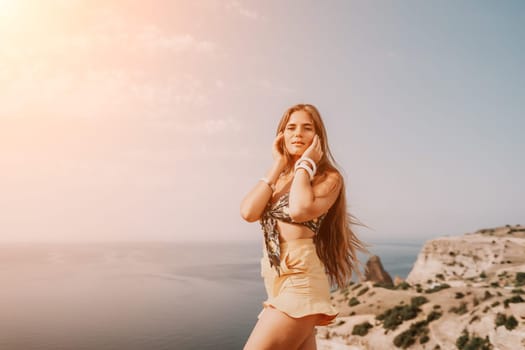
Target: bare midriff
<point x="287" y="231"/>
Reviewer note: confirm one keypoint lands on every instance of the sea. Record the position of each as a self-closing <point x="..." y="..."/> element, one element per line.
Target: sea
<point x="141" y="295"/>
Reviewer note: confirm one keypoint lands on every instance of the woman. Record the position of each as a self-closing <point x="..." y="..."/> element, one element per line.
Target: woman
<point x="309" y="244"/>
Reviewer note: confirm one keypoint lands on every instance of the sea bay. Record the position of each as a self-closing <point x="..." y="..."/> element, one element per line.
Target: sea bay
<point x="140" y="295"/>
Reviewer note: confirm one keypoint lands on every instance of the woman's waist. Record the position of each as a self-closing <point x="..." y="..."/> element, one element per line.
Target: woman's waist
<point x="292" y="231"/>
<point x="291" y="244"/>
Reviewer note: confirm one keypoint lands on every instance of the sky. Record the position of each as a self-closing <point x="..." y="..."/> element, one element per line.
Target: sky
<point x="133" y="120"/>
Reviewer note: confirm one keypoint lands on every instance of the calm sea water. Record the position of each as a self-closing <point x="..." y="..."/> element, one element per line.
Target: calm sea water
<point x="139" y="295"/>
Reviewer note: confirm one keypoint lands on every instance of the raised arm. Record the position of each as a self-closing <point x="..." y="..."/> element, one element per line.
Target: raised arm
<point x="308" y="201"/>
<point x="253" y="204"/>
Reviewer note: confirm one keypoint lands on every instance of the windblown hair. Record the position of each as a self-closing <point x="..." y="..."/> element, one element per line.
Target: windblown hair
<point x="336" y="243"/>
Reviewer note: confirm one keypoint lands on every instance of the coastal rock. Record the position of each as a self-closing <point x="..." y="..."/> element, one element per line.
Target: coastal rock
<point x="375" y="272"/>
<point x="458" y="259"/>
<point x="466" y="286"/>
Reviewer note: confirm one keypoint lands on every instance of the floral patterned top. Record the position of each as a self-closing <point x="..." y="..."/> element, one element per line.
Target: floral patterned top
<point x="268" y="221"/>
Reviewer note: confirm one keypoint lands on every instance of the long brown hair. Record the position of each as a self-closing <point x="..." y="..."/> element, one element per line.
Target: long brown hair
<point x="336" y="243"/>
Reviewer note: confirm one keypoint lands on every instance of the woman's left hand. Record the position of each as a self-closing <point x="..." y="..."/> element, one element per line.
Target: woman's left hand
<point x="314" y="151"/>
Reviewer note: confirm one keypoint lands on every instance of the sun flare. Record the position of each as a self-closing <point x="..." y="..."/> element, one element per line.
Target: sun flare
<point x="8" y="9"/>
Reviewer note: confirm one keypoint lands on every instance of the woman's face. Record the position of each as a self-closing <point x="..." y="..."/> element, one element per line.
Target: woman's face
<point x="299" y="133"/>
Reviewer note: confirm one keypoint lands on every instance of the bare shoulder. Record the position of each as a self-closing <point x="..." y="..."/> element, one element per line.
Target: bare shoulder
<point x="329" y="183"/>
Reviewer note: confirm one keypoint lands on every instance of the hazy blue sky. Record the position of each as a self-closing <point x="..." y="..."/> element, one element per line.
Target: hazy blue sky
<point x="133" y="120"/>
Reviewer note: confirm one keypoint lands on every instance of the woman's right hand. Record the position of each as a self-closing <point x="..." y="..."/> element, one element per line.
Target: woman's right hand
<point x="277" y="150"/>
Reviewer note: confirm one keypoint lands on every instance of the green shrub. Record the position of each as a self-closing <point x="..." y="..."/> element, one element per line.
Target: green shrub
<point x="384" y="285"/>
<point x="404" y="339"/>
<point x="362" y="291"/>
<point x="440" y="276"/>
<point x="395" y="316"/>
<point x="459" y="295"/>
<point x="353" y="302"/>
<point x="482" y="274"/>
<point x="465" y="342"/>
<point x="487" y="295"/>
<point x="514" y="299"/>
<point x="462" y="309"/>
<point x="518" y="291"/>
<point x="433" y="316"/>
<point x="403" y="285"/>
<point x="462" y="340"/>
<point x="418" y="301"/>
<point x="437" y="288"/>
<point x="361" y="329"/>
<point x="408" y="337"/>
<point x="500" y="319"/>
<point x="520" y="279"/>
<point x="511" y="323"/>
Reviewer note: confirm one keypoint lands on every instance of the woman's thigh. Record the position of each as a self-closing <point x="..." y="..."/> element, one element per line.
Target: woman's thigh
<point x="309" y="343"/>
<point x="275" y="330"/>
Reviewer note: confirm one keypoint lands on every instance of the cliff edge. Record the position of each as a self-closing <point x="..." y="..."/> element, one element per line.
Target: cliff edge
<point x="462" y="291"/>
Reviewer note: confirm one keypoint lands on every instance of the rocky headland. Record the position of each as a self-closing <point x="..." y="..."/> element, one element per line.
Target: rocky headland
<point x="464" y="292"/>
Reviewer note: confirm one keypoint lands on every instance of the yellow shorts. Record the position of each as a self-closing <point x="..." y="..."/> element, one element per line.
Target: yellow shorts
<point x="303" y="287"/>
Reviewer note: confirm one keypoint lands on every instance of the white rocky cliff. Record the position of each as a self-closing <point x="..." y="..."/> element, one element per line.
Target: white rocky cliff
<point x="463" y="292"/>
